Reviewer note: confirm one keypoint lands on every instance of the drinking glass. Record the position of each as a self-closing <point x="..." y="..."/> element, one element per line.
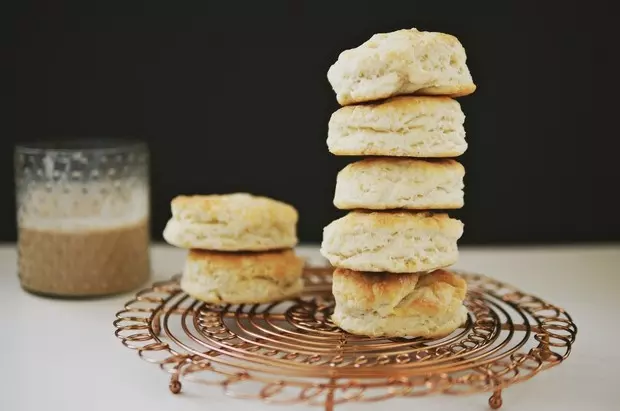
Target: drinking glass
<point x="83" y="211"/>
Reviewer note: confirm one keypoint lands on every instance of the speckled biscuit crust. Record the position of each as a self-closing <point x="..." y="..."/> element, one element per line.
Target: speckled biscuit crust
<point x="385" y="183"/>
<point x="401" y="62"/>
<point x="392" y="241"/>
<point x="405" y="126"/>
<point x="231" y="222"/>
<point x="242" y="278"/>
<point x="399" y="305"/>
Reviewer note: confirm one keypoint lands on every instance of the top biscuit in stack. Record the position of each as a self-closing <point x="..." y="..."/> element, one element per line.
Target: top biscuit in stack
<point x="231" y="222"/>
<point x="240" y="247"/>
<point x="402" y="62"/>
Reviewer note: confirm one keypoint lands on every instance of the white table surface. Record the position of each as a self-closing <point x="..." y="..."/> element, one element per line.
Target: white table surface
<point x="63" y="355"/>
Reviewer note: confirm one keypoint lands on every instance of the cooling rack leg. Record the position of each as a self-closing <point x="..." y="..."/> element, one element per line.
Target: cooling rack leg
<point x="495" y="401"/>
<point x="329" y="401"/>
<point x="329" y="398"/>
<point x="175" y="384"/>
<point x="545" y="353"/>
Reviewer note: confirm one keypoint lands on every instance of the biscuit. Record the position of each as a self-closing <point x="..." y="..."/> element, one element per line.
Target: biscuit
<point x="392" y="241"/>
<point x="231" y="222"/>
<point x="401" y="62"/>
<point x="403" y="126"/>
<point x="385" y="183"/>
<point x="242" y="278"/>
<point x="403" y="305"/>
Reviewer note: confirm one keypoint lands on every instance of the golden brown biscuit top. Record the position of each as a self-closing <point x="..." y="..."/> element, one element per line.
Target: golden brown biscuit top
<point x="215" y="208"/>
<point x="402" y="40"/>
<point x="400" y="113"/>
<point x="405" y="103"/>
<point x="393" y="163"/>
<point x="279" y="264"/>
<point x="363" y="220"/>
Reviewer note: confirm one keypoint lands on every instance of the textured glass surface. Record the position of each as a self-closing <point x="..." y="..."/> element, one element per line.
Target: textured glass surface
<point x="83" y="216"/>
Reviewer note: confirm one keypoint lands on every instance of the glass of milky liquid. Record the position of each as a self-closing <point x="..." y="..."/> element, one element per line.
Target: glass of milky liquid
<point x="83" y="210"/>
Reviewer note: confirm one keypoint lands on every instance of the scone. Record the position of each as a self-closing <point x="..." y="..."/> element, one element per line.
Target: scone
<point x="242" y="278"/>
<point x="404" y="305"/>
<point x="392" y="241"/>
<point x="231" y="222"/>
<point x="384" y="183"/>
<point x="401" y="62"/>
<point x="403" y="126"/>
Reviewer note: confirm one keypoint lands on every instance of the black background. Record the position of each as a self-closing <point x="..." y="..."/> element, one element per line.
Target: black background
<point x="233" y="96"/>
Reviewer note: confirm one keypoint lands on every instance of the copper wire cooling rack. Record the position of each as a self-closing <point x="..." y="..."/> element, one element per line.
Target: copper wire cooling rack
<point x="290" y="352"/>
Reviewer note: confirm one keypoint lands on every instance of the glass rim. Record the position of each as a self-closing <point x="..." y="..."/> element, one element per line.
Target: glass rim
<point x="95" y="145"/>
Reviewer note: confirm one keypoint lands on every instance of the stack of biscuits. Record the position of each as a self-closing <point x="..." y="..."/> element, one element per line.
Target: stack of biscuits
<point x="240" y="247"/>
<point x="391" y="250"/>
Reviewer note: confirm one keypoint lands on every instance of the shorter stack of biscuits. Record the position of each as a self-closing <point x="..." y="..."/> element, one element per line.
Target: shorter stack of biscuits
<point x="241" y="247"/>
<point x="391" y="250"/>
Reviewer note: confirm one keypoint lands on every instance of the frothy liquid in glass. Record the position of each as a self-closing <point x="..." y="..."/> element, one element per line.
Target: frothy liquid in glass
<point x="71" y="246"/>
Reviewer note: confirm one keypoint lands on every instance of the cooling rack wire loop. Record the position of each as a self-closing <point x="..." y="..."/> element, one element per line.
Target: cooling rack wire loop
<point x="290" y="352"/>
